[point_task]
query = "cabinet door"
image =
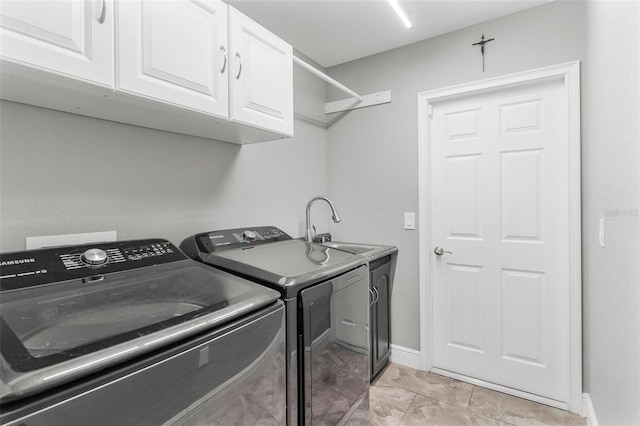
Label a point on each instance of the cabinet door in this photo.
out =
(262, 76)
(380, 278)
(73, 38)
(373, 328)
(174, 52)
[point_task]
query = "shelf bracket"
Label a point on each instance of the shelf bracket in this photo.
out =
(372, 99)
(356, 101)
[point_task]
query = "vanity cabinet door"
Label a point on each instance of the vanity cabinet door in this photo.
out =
(261, 77)
(174, 52)
(69, 38)
(380, 313)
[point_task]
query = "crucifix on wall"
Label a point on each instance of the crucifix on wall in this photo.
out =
(481, 43)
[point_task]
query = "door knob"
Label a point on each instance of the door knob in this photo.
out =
(440, 251)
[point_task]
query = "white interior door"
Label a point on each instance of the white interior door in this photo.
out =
(499, 172)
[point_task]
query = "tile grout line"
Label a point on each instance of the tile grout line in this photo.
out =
(482, 414)
(408, 407)
(493, 418)
(426, 396)
(471, 397)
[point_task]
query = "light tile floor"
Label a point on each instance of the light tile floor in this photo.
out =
(404, 396)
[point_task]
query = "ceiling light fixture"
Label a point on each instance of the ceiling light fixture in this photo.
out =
(400, 13)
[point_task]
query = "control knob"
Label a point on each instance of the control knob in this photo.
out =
(249, 235)
(94, 257)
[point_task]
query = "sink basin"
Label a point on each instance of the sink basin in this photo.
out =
(352, 247)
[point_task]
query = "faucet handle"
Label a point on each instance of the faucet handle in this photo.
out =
(322, 238)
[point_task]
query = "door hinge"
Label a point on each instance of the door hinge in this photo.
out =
(430, 110)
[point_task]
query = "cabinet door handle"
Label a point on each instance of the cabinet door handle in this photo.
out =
(224, 64)
(375, 289)
(240, 65)
(103, 14)
(371, 298)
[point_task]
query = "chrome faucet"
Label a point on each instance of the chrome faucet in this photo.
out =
(335, 217)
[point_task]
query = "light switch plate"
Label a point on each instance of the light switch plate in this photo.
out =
(410, 220)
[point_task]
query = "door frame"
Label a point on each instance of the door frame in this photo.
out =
(569, 73)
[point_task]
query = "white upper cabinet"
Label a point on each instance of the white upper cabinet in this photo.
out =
(196, 67)
(261, 76)
(174, 52)
(72, 38)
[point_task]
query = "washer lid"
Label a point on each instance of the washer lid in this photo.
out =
(57, 332)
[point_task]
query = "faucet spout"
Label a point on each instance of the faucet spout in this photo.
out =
(334, 213)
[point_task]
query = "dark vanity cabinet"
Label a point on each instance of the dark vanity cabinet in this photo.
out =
(381, 278)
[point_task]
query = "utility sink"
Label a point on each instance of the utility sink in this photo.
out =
(369, 251)
(351, 247)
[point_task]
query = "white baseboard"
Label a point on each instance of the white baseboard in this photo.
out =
(588, 410)
(405, 356)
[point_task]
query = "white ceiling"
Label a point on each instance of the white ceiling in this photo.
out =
(332, 32)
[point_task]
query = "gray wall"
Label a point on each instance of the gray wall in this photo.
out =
(373, 173)
(611, 190)
(62, 173)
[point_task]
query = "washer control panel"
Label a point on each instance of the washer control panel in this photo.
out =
(41, 266)
(149, 251)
